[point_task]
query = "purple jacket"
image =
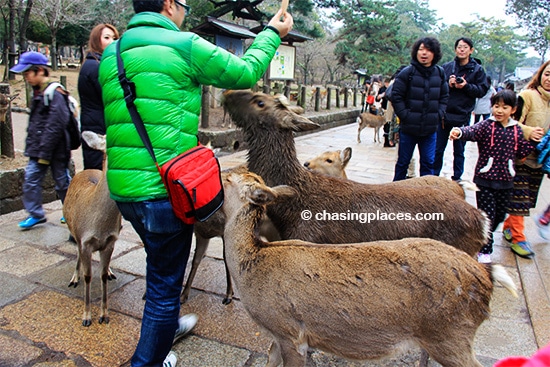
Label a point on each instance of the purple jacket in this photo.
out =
(498, 148)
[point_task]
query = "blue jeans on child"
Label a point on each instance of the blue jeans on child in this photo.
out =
(32, 187)
(167, 242)
(426, 150)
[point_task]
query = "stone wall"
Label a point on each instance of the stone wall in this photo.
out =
(11, 183)
(232, 140)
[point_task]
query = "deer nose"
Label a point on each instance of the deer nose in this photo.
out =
(306, 164)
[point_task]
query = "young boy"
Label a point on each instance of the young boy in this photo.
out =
(500, 142)
(46, 143)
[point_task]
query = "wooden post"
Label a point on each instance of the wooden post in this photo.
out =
(6, 128)
(329, 91)
(346, 99)
(303, 96)
(63, 81)
(317, 98)
(205, 107)
(337, 97)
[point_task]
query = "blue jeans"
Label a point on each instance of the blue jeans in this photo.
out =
(32, 187)
(426, 149)
(458, 153)
(167, 243)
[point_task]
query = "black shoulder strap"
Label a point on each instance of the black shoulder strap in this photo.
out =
(129, 89)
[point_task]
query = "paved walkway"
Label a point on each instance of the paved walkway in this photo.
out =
(40, 317)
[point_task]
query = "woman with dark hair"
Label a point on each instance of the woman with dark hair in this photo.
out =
(535, 120)
(89, 90)
(419, 98)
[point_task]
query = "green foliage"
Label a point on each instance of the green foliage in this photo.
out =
(534, 17)
(39, 32)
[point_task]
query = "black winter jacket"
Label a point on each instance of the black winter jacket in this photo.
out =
(47, 133)
(89, 90)
(419, 98)
(462, 101)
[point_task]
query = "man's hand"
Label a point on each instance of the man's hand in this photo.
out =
(284, 26)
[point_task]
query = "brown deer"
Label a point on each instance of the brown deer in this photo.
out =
(332, 163)
(357, 301)
(5, 101)
(374, 119)
(95, 222)
(268, 128)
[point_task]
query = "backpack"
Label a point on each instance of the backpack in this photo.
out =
(73, 125)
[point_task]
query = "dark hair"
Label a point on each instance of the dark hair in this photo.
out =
(148, 5)
(506, 96)
(94, 43)
(431, 44)
(36, 68)
(537, 78)
(465, 40)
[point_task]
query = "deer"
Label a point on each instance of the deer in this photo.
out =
(332, 162)
(374, 118)
(268, 129)
(5, 101)
(214, 226)
(95, 222)
(357, 301)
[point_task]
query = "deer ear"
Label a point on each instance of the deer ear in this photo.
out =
(261, 196)
(296, 122)
(345, 155)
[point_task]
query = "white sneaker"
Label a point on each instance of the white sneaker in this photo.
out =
(484, 258)
(170, 360)
(186, 324)
(544, 231)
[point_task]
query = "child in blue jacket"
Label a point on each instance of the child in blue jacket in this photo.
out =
(46, 144)
(500, 142)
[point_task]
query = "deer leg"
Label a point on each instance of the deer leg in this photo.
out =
(229, 290)
(292, 357)
(359, 134)
(86, 262)
(105, 260)
(201, 245)
(456, 352)
(76, 274)
(424, 358)
(274, 356)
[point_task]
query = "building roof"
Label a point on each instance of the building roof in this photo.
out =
(214, 26)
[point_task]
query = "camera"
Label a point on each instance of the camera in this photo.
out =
(459, 80)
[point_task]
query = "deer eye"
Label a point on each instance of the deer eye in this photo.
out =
(329, 160)
(261, 103)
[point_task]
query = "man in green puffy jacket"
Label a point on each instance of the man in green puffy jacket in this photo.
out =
(168, 68)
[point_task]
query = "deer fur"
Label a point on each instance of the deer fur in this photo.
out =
(214, 226)
(373, 119)
(5, 101)
(357, 301)
(332, 163)
(95, 222)
(268, 129)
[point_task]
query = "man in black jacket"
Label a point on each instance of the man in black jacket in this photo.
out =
(467, 81)
(419, 98)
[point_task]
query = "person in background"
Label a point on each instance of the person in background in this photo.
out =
(419, 98)
(168, 69)
(535, 120)
(482, 110)
(46, 144)
(467, 81)
(500, 142)
(89, 90)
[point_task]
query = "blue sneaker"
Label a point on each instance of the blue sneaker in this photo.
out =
(544, 230)
(507, 234)
(31, 222)
(522, 249)
(62, 220)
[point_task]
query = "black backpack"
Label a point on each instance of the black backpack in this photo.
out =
(73, 125)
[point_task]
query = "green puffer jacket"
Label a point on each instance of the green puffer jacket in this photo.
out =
(168, 67)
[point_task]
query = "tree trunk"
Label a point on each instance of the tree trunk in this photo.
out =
(6, 128)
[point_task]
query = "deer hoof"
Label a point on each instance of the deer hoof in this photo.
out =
(86, 322)
(73, 284)
(104, 319)
(111, 276)
(227, 300)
